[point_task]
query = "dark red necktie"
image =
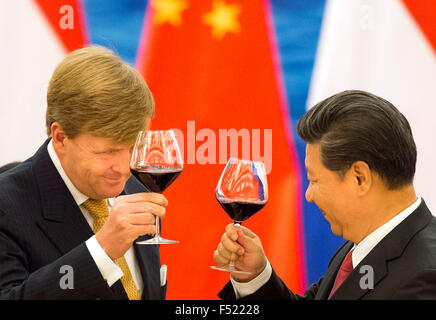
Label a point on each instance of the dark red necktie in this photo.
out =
(344, 271)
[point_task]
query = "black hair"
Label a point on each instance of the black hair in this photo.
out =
(355, 126)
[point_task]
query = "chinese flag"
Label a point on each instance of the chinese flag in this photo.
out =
(211, 66)
(67, 21)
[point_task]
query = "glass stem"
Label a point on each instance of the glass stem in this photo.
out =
(232, 258)
(157, 224)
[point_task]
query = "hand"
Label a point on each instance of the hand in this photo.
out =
(245, 248)
(131, 216)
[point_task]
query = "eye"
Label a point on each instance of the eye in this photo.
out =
(107, 152)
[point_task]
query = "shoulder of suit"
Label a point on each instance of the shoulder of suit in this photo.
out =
(18, 183)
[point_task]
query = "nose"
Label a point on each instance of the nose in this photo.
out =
(122, 162)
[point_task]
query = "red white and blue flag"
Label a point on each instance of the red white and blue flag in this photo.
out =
(232, 77)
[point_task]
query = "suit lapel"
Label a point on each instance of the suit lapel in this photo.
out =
(62, 222)
(149, 264)
(332, 270)
(374, 264)
(389, 248)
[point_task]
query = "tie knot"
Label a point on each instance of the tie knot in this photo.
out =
(98, 208)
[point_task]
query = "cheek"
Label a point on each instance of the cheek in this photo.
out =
(94, 169)
(342, 204)
(102, 170)
(78, 166)
(329, 200)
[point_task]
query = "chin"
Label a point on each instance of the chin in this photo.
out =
(113, 190)
(335, 229)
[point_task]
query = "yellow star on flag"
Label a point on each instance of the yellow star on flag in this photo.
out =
(223, 18)
(168, 11)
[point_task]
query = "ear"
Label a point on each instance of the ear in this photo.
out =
(58, 137)
(361, 174)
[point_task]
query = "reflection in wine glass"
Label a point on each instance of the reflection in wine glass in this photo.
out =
(156, 162)
(241, 191)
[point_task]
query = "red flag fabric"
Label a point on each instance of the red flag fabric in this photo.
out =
(66, 20)
(211, 66)
(424, 14)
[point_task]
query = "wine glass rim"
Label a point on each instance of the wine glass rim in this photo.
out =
(163, 130)
(244, 160)
(230, 200)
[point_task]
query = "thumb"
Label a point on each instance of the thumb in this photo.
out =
(247, 242)
(247, 232)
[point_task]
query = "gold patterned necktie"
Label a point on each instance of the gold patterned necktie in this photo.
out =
(100, 212)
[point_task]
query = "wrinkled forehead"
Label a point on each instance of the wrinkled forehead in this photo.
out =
(96, 143)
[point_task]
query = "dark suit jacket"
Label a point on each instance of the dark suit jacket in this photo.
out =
(43, 229)
(403, 264)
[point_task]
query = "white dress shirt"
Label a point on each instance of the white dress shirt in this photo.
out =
(110, 271)
(370, 241)
(361, 250)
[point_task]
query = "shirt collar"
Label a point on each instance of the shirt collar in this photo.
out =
(370, 241)
(79, 197)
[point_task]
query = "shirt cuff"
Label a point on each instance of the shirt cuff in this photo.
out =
(110, 271)
(243, 289)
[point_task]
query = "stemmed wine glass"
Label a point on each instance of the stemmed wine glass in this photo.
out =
(156, 162)
(241, 191)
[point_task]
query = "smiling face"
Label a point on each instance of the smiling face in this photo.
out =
(336, 197)
(96, 166)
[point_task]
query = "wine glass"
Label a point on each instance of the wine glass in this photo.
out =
(241, 191)
(156, 162)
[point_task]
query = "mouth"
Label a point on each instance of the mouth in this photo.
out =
(114, 177)
(113, 180)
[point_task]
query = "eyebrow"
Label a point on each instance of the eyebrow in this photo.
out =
(111, 149)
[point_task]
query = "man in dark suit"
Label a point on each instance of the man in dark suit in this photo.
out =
(57, 238)
(360, 161)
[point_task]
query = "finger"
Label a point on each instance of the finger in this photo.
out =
(232, 231)
(140, 230)
(141, 219)
(230, 244)
(224, 252)
(247, 232)
(141, 207)
(156, 198)
(150, 207)
(219, 259)
(248, 243)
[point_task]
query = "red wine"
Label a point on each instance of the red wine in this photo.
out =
(240, 211)
(156, 180)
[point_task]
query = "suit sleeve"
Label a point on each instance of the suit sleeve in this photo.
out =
(274, 289)
(72, 276)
